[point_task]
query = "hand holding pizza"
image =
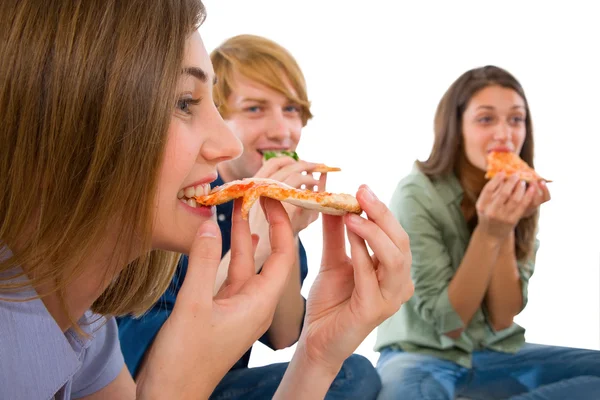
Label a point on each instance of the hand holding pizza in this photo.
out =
(502, 203)
(296, 174)
(205, 335)
(352, 295)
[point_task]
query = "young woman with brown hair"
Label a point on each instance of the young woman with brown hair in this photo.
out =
(473, 245)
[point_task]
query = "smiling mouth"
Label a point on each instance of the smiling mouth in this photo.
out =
(187, 195)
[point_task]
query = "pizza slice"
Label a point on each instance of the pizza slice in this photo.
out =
(510, 163)
(251, 189)
(321, 168)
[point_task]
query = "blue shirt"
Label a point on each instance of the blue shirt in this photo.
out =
(39, 361)
(137, 334)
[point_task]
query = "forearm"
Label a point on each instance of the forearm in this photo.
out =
(504, 298)
(468, 286)
(285, 328)
(304, 379)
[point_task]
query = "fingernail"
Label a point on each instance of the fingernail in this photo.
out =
(207, 229)
(354, 219)
(369, 195)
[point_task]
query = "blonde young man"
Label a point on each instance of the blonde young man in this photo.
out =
(261, 95)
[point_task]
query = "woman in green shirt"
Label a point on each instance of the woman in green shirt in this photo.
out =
(473, 245)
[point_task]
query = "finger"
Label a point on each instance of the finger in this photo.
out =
(503, 193)
(276, 269)
(518, 193)
(334, 240)
(365, 277)
(524, 204)
(490, 188)
(545, 191)
(381, 215)
(295, 168)
(241, 266)
(203, 261)
(322, 182)
(394, 264)
(298, 180)
(273, 165)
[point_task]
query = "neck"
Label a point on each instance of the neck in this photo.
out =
(97, 271)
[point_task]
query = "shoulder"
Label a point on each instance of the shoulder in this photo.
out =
(101, 358)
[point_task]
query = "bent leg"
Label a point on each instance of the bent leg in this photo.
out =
(414, 376)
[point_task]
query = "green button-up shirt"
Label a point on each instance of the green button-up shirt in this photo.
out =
(429, 211)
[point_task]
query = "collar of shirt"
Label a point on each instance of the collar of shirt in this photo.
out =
(36, 358)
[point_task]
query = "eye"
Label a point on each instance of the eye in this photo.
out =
(184, 104)
(252, 109)
(486, 119)
(517, 119)
(292, 108)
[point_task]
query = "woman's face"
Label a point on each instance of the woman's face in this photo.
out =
(197, 141)
(493, 120)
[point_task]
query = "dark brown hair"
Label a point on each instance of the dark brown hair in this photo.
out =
(87, 90)
(447, 154)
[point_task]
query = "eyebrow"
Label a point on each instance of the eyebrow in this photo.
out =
(198, 73)
(255, 100)
(492, 108)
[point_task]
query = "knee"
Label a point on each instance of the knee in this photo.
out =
(357, 378)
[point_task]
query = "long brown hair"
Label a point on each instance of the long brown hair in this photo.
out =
(447, 155)
(87, 90)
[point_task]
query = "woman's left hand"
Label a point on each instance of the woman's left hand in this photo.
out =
(351, 296)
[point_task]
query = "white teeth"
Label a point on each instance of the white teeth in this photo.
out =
(180, 194)
(202, 190)
(189, 192)
(191, 203)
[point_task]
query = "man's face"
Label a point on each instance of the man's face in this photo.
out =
(263, 119)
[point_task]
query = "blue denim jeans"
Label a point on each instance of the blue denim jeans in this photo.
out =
(357, 379)
(535, 372)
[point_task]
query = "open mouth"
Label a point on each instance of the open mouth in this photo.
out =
(187, 195)
(276, 150)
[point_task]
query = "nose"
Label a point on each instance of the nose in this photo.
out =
(279, 127)
(503, 132)
(222, 144)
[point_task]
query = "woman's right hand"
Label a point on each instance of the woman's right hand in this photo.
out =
(502, 203)
(206, 335)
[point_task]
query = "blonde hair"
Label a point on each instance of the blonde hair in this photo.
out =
(87, 91)
(262, 61)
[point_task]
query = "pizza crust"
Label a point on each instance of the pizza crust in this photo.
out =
(251, 189)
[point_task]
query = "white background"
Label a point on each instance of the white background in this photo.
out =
(376, 71)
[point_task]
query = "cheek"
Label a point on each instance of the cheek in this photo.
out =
(519, 138)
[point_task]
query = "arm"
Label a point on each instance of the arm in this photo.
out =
(468, 286)
(431, 270)
(285, 328)
(303, 379)
(507, 292)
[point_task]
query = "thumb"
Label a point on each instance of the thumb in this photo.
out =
(203, 262)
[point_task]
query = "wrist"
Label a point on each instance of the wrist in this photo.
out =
(487, 239)
(306, 378)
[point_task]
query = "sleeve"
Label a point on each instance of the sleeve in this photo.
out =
(526, 268)
(102, 362)
(431, 269)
